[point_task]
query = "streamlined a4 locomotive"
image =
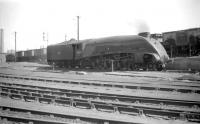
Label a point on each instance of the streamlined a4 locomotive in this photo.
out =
(129, 52)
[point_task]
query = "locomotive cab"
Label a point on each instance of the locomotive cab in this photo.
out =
(77, 50)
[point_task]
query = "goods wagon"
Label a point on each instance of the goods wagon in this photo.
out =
(20, 56)
(10, 58)
(122, 52)
(34, 55)
(39, 55)
(29, 55)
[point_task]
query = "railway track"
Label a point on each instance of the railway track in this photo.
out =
(16, 115)
(151, 107)
(149, 87)
(13, 115)
(36, 113)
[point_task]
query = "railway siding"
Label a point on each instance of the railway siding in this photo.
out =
(90, 99)
(102, 102)
(193, 95)
(158, 100)
(74, 112)
(179, 86)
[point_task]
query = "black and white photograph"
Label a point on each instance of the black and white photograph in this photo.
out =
(99, 61)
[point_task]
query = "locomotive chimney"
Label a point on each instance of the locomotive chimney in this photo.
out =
(144, 34)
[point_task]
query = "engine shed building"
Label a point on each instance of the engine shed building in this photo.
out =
(182, 43)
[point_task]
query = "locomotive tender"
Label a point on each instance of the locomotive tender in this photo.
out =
(124, 52)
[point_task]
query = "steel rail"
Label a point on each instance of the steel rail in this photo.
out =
(104, 84)
(101, 102)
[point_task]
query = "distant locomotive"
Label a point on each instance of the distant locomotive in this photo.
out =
(123, 52)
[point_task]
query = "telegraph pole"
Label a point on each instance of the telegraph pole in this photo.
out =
(15, 46)
(65, 37)
(78, 28)
(45, 38)
(2, 40)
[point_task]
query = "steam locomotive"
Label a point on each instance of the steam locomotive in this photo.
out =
(130, 52)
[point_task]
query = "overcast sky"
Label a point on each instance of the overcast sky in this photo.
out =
(98, 18)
